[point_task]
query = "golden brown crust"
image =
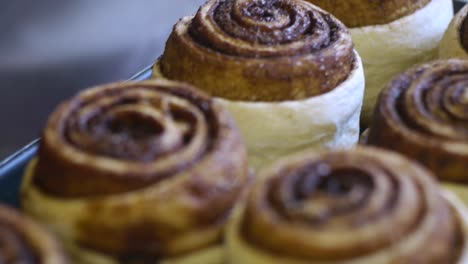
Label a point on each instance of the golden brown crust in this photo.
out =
(365, 205)
(121, 137)
(423, 114)
(259, 50)
(22, 241)
(147, 165)
(360, 13)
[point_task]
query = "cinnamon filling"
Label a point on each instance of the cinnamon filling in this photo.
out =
(353, 198)
(433, 96)
(320, 195)
(139, 126)
(256, 50)
(268, 23)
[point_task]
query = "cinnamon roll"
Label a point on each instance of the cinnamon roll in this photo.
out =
(23, 241)
(391, 36)
(138, 172)
(361, 206)
(286, 70)
(454, 44)
(423, 114)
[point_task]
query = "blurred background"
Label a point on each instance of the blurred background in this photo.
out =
(49, 50)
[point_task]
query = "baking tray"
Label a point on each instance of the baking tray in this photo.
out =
(12, 168)
(458, 4)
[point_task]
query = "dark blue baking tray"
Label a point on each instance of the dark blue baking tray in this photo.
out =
(12, 168)
(458, 4)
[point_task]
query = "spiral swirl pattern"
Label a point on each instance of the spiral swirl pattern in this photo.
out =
(140, 125)
(423, 113)
(264, 28)
(365, 205)
(23, 242)
(262, 44)
(137, 171)
(128, 136)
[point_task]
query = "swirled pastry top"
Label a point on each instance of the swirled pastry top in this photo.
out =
(423, 113)
(429, 103)
(360, 13)
(361, 206)
(21, 241)
(137, 172)
(119, 137)
(258, 50)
